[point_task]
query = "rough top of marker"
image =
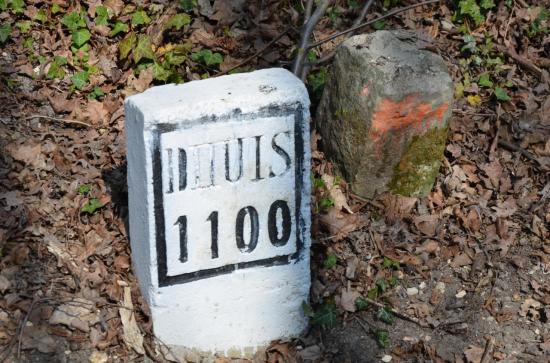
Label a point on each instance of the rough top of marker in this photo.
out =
(247, 92)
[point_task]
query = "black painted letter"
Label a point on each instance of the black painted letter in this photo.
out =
(272, 223)
(182, 222)
(213, 218)
(254, 229)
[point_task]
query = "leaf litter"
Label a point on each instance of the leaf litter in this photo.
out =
(63, 256)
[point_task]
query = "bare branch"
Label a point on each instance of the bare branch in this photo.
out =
(306, 34)
(364, 12)
(352, 29)
(309, 8)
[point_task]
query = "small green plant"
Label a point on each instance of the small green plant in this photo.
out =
(382, 337)
(540, 24)
(361, 303)
(84, 188)
(330, 261)
(5, 32)
(140, 17)
(474, 10)
(316, 82)
(206, 57)
(390, 263)
(178, 21)
(385, 315)
(188, 5)
(56, 68)
(326, 316)
(92, 206)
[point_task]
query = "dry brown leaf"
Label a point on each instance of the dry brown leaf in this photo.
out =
(339, 224)
(60, 103)
(426, 224)
(506, 208)
(27, 154)
(429, 246)
(461, 260)
(131, 333)
(347, 300)
(336, 194)
(473, 354)
(397, 206)
(143, 81)
(78, 313)
(530, 308)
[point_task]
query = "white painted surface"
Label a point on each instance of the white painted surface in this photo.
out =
(238, 295)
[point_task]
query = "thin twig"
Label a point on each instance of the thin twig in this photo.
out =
(513, 147)
(62, 120)
(258, 53)
(364, 12)
(526, 63)
(391, 13)
(488, 352)
(306, 34)
(309, 8)
(398, 314)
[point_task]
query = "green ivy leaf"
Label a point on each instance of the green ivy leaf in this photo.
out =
(174, 59)
(361, 303)
(5, 32)
(24, 26)
(485, 80)
(308, 311)
(188, 5)
(73, 21)
(84, 188)
(101, 15)
(3, 5)
(373, 293)
(80, 79)
(379, 25)
(390, 263)
(119, 27)
(56, 9)
(487, 4)
(207, 57)
(143, 49)
(326, 316)
(17, 6)
(126, 45)
(381, 285)
(501, 94)
(326, 203)
(41, 16)
(382, 338)
(96, 93)
(90, 207)
(385, 315)
(330, 261)
(470, 7)
(28, 43)
(178, 21)
(56, 70)
(160, 73)
(140, 17)
(80, 37)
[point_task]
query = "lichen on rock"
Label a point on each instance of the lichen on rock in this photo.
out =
(418, 168)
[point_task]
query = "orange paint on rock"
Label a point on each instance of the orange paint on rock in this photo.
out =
(410, 112)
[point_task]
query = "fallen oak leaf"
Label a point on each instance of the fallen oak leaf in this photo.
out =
(336, 194)
(131, 334)
(339, 224)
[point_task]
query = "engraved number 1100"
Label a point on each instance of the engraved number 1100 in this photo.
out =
(276, 237)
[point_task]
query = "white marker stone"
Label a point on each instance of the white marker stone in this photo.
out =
(219, 190)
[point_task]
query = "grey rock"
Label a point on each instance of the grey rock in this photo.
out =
(384, 111)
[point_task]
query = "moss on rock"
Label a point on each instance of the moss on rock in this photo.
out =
(415, 174)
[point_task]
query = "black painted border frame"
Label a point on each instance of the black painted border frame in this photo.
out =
(164, 280)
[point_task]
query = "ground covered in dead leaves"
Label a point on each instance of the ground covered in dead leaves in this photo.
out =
(459, 276)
